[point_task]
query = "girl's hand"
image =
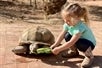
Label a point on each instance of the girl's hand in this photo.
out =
(52, 46)
(55, 51)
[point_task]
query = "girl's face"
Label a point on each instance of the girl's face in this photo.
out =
(70, 18)
(67, 18)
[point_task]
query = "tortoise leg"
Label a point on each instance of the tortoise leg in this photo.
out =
(33, 47)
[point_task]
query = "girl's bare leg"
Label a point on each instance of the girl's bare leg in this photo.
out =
(88, 58)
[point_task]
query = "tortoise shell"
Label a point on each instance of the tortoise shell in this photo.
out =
(39, 34)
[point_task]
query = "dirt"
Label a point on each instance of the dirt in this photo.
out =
(11, 28)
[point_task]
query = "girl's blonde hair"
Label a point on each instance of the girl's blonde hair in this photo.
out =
(76, 10)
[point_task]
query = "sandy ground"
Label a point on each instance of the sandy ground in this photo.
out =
(11, 30)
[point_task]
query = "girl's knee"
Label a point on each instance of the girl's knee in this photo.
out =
(83, 45)
(88, 53)
(82, 48)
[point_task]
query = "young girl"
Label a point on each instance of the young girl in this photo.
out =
(76, 32)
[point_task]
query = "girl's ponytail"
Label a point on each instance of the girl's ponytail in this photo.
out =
(85, 15)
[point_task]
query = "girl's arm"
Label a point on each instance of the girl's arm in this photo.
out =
(66, 45)
(59, 39)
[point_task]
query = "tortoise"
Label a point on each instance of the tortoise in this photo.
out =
(34, 38)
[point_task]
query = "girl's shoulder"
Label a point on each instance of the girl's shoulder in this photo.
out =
(65, 25)
(82, 24)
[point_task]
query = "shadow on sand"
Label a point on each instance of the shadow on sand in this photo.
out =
(60, 61)
(97, 12)
(97, 62)
(54, 60)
